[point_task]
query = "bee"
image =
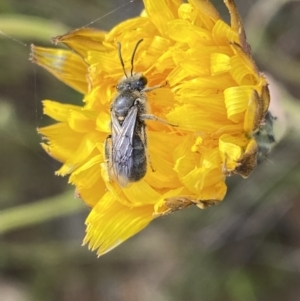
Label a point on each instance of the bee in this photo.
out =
(126, 146)
(265, 137)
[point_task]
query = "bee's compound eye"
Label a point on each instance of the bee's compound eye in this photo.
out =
(142, 81)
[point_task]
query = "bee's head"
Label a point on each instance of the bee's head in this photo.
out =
(136, 82)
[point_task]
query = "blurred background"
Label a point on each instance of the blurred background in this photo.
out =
(246, 248)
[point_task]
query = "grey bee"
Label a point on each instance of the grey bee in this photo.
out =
(126, 147)
(265, 137)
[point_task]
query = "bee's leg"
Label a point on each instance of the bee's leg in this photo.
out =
(144, 139)
(107, 148)
(153, 117)
(108, 156)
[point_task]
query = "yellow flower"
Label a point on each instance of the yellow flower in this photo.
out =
(214, 93)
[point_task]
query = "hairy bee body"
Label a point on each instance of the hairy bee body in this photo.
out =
(126, 147)
(127, 156)
(265, 137)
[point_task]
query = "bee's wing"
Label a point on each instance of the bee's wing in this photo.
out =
(122, 146)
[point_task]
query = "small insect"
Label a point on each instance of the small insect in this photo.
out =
(265, 137)
(126, 147)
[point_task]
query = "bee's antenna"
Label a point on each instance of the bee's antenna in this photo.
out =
(133, 54)
(121, 59)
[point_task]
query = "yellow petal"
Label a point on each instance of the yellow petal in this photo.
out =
(206, 85)
(89, 194)
(194, 118)
(99, 98)
(184, 32)
(161, 12)
(230, 150)
(87, 145)
(82, 121)
(241, 72)
(160, 150)
(105, 61)
(156, 50)
(222, 33)
(110, 223)
(87, 174)
(83, 40)
(59, 111)
(206, 173)
(103, 122)
(186, 159)
(210, 195)
(208, 14)
(188, 12)
(62, 141)
(63, 64)
(220, 63)
(141, 193)
(236, 100)
(131, 30)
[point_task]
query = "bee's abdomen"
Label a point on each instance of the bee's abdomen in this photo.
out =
(139, 159)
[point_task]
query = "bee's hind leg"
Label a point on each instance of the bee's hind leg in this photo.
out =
(108, 155)
(107, 148)
(155, 118)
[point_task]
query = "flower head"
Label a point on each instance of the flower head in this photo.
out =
(214, 94)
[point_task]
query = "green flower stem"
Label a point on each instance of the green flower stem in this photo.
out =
(28, 27)
(39, 212)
